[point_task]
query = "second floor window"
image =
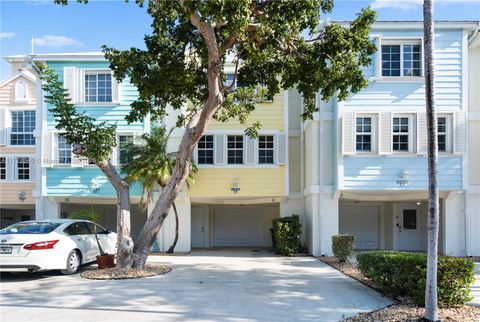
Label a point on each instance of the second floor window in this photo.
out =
(235, 149)
(363, 138)
(205, 150)
(442, 134)
(401, 134)
(401, 60)
(123, 142)
(265, 149)
(23, 169)
(23, 126)
(98, 87)
(64, 150)
(3, 168)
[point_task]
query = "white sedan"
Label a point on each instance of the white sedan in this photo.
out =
(63, 244)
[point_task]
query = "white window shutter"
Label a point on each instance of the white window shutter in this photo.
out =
(219, 149)
(33, 167)
(69, 82)
(459, 146)
(11, 166)
(3, 127)
(282, 156)
(378, 57)
(48, 149)
(348, 133)
(115, 90)
(422, 137)
(78, 161)
(385, 131)
(80, 86)
(251, 143)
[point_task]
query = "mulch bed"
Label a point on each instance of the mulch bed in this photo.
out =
(125, 273)
(404, 309)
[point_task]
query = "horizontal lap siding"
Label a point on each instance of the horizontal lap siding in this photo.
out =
(76, 182)
(110, 113)
(379, 173)
(448, 81)
(253, 182)
(9, 193)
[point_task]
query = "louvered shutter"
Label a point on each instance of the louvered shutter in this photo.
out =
(219, 149)
(32, 167)
(3, 127)
(115, 90)
(251, 143)
(422, 137)
(11, 165)
(459, 146)
(385, 146)
(80, 85)
(348, 131)
(378, 57)
(69, 82)
(48, 149)
(282, 156)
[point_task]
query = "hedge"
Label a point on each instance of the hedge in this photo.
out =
(342, 246)
(286, 234)
(404, 274)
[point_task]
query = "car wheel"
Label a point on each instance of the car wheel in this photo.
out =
(73, 263)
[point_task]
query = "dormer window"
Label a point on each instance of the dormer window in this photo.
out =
(21, 91)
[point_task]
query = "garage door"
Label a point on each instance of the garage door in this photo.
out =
(237, 227)
(363, 223)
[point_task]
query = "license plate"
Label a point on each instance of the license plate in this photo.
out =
(5, 250)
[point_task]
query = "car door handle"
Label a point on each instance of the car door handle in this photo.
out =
(79, 239)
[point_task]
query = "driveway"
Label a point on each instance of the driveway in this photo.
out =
(214, 285)
(475, 288)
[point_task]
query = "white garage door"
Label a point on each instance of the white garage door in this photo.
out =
(363, 223)
(238, 227)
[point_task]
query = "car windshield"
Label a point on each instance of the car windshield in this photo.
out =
(30, 228)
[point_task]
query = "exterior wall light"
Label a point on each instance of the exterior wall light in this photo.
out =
(403, 181)
(94, 186)
(235, 187)
(22, 196)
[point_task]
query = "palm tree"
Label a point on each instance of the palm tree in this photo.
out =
(431, 306)
(150, 163)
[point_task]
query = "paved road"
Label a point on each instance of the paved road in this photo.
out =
(234, 285)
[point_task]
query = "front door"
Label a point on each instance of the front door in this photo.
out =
(409, 228)
(198, 227)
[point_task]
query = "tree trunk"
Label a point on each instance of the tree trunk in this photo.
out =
(172, 248)
(431, 304)
(124, 241)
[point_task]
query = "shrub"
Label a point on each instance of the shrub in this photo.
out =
(342, 246)
(286, 233)
(404, 274)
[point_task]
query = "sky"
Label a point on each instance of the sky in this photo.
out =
(78, 27)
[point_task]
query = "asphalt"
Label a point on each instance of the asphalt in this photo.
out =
(214, 285)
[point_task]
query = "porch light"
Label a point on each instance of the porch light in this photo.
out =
(403, 178)
(235, 187)
(94, 186)
(22, 196)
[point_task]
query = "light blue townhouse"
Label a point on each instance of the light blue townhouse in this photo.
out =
(366, 157)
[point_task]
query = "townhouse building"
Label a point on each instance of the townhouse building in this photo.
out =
(359, 166)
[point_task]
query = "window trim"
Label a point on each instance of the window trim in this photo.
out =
(373, 133)
(4, 167)
(213, 149)
(10, 129)
(118, 149)
(16, 173)
(57, 152)
(411, 132)
(91, 71)
(236, 149)
(274, 149)
(401, 41)
(448, 133)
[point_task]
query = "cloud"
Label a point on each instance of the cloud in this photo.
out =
(7, 35)
(410, 4)
(54, 41)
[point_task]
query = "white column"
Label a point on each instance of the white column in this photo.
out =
(51, 208)
(454, 224)
(328, 214)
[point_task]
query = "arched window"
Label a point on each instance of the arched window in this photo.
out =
(21, 90)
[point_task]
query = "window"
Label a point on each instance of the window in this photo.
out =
(98, 87)
(23, 169)
(442, 134)
(23, 125)
(363, 138)
(235, 149)
(401, 60)
(78, 228)
(96, 228)
(64, 150)
(401, 134)
(229, 80)
(265, 149)
(205, 150)
(21, 90)
(123, 142)
(3, 168)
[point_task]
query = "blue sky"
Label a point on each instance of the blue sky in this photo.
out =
(115, 23)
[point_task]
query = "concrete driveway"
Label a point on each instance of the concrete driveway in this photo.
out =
(222, 285)
(475, 288)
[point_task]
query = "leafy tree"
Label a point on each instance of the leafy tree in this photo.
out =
(431, 296)
(190, 45)
(150, 163)
(93, 141)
